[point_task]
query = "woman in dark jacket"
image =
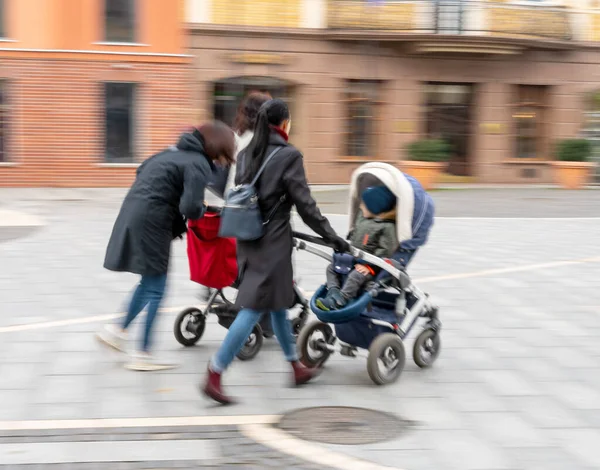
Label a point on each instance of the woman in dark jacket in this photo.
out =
(266, 264)
(169, 188)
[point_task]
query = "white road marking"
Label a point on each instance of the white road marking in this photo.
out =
(9, 218)
(74, 321)
(425, 280)
(285, 443)
(137, 422)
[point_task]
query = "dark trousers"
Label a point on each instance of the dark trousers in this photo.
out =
(355, 281)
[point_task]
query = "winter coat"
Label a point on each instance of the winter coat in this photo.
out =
(266, 272)
(168, 188)
(376, 236)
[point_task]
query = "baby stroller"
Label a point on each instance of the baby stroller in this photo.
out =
(384, 314)
(213, 264)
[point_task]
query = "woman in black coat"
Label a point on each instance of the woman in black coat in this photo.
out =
(266, 273)
(168, 189)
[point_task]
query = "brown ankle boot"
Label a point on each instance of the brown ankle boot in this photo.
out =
(212, 388)
(303, 374)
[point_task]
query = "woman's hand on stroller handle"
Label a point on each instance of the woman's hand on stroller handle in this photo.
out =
(339, 244)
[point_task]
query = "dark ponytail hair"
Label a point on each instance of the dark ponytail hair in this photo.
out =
(272, 113)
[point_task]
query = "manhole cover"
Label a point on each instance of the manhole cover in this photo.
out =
(343, 425)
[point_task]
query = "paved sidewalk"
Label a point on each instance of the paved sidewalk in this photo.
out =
(517, 385)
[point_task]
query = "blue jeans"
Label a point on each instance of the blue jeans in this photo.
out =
(150, 292)
(240, 330)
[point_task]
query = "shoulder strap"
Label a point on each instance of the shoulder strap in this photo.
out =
(262, 167)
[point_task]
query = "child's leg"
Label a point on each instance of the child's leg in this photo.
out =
(333, 278)
(354, 283)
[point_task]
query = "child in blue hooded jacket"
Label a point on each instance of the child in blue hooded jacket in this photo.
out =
(374, 232)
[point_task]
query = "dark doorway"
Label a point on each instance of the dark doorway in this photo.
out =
(449, 113)
(229, 93)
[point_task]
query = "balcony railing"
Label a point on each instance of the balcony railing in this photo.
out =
(452, 17)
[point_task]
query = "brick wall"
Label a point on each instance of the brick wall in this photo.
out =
(55, 118)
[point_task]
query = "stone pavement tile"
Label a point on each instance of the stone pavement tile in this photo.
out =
(432, 413)
(26, 352)
(101, 452)
(437, 375)
(509, 383)
(582, 443)
(510, 347)
(592, 418)
(472, 398)
(465, 450)
(507, 430)
(18, 376)
(71, 363)
(570, 357)
(576, 395)
(63, 389)
(547, 412)
(546, 458)
(462, 359)
(59, 411)
(540, 369)
(15, 404)
(406, 459)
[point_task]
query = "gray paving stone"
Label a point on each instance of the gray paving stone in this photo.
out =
(465, 450)
(577, 395)
(582, 443)
(509, 383)
(508, 430)
(125, 451)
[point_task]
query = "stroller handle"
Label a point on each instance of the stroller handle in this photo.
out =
(311, 239)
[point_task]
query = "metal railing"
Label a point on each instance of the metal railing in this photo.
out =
(452, 17)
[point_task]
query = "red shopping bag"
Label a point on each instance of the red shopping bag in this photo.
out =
(212, 259)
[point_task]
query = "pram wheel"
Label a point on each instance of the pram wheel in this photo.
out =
(312, 343)
(386, 359)
(252, 345)
(189, 326)
(297, 324)
(427, 348)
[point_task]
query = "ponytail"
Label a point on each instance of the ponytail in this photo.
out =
(257, 148)
(271, 113)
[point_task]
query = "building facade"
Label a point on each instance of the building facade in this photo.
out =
(501, 80)
(89, 88)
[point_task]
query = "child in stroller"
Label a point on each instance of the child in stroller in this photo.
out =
(380, 318)
(374, 232)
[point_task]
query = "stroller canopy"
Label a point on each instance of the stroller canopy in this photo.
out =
(378, 174)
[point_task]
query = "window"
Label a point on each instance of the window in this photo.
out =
(119, 20)
(118, 122)
(449, 16)
(449, 110)
(591, 128)
(361, 118)
(229, 93)
(3, 126)
(2, 31)
(529, 120)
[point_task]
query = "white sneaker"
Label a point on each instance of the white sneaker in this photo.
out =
(147, 363)
(113, 336)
